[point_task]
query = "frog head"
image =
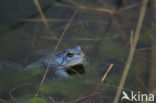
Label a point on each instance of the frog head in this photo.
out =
(71, 57)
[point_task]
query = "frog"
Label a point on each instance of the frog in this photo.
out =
(60, 63)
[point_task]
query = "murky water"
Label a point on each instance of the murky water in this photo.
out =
(103, 36)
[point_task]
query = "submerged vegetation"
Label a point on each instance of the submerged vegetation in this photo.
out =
(101, 27)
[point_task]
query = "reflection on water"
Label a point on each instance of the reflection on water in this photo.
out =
(76, 69)
(101, 28)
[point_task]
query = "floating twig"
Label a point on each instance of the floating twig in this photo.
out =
(132, 50)
(44, 19)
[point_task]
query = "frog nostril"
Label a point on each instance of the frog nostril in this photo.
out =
(79, 53)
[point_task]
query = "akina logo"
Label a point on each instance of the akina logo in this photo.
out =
(137, 96)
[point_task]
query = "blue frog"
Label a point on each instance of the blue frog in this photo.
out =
(60, 62)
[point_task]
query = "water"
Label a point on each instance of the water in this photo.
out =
(104, 39)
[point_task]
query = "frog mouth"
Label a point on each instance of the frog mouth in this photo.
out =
(75, 61)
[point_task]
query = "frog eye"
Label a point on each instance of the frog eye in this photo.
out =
(70, 54)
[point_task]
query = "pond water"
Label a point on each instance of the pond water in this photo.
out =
(103, 35)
